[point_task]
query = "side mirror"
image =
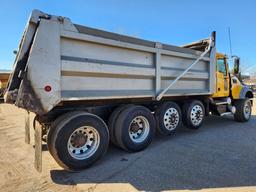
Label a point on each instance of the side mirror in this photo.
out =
(236, 65)
(15, 52)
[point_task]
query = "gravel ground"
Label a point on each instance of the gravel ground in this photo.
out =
(218, 157)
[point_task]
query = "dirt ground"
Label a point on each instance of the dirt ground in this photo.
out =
(218, 157)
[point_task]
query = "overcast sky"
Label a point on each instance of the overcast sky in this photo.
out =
(175, 22)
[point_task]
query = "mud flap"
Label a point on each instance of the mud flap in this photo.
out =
(27, 128)
(38, 148)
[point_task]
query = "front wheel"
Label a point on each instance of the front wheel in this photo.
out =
(78, 140)
(243, 110)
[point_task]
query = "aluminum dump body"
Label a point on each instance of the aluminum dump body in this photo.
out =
(60, 61)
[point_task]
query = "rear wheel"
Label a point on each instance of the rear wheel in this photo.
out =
(78, 140)
(193, 113)
(243, 110)
(112, 121)
(53, 126)
(168, 118)
(135, 128)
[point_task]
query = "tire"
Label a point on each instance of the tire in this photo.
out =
(53, 126)
(138, 136)
(193, 113)
(168, 118)
(243, 110)
(112, 121)
(78, 140)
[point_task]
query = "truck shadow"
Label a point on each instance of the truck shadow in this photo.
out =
(220, 154)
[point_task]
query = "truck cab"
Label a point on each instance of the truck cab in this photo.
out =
(231, 95)
(229, 84)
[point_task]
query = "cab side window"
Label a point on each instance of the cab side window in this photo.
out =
(222, 66)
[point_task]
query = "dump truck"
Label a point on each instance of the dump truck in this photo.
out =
(88, 87)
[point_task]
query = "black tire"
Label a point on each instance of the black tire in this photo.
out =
(168, 126)
(53, 126)
(240, 114)
(112, 121)
(187, 109)
(58, 139)
(123, 124)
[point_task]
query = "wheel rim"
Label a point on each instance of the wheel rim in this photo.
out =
(139, 129)
(196, 115)
(247, 109)
(171, 119)
(83, 142)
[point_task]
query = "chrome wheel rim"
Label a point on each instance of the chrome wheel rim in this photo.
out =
(171, 119)
(83, 142)
(247, 109)
(196, 115)
(139, 129)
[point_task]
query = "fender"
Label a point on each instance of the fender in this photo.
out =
(246, 92)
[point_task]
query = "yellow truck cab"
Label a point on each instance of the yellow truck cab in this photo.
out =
(231, 95)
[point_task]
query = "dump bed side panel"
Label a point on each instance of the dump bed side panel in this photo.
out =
(107, 71)
(104, 71)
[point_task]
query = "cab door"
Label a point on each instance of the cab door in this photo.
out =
(222, 78)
